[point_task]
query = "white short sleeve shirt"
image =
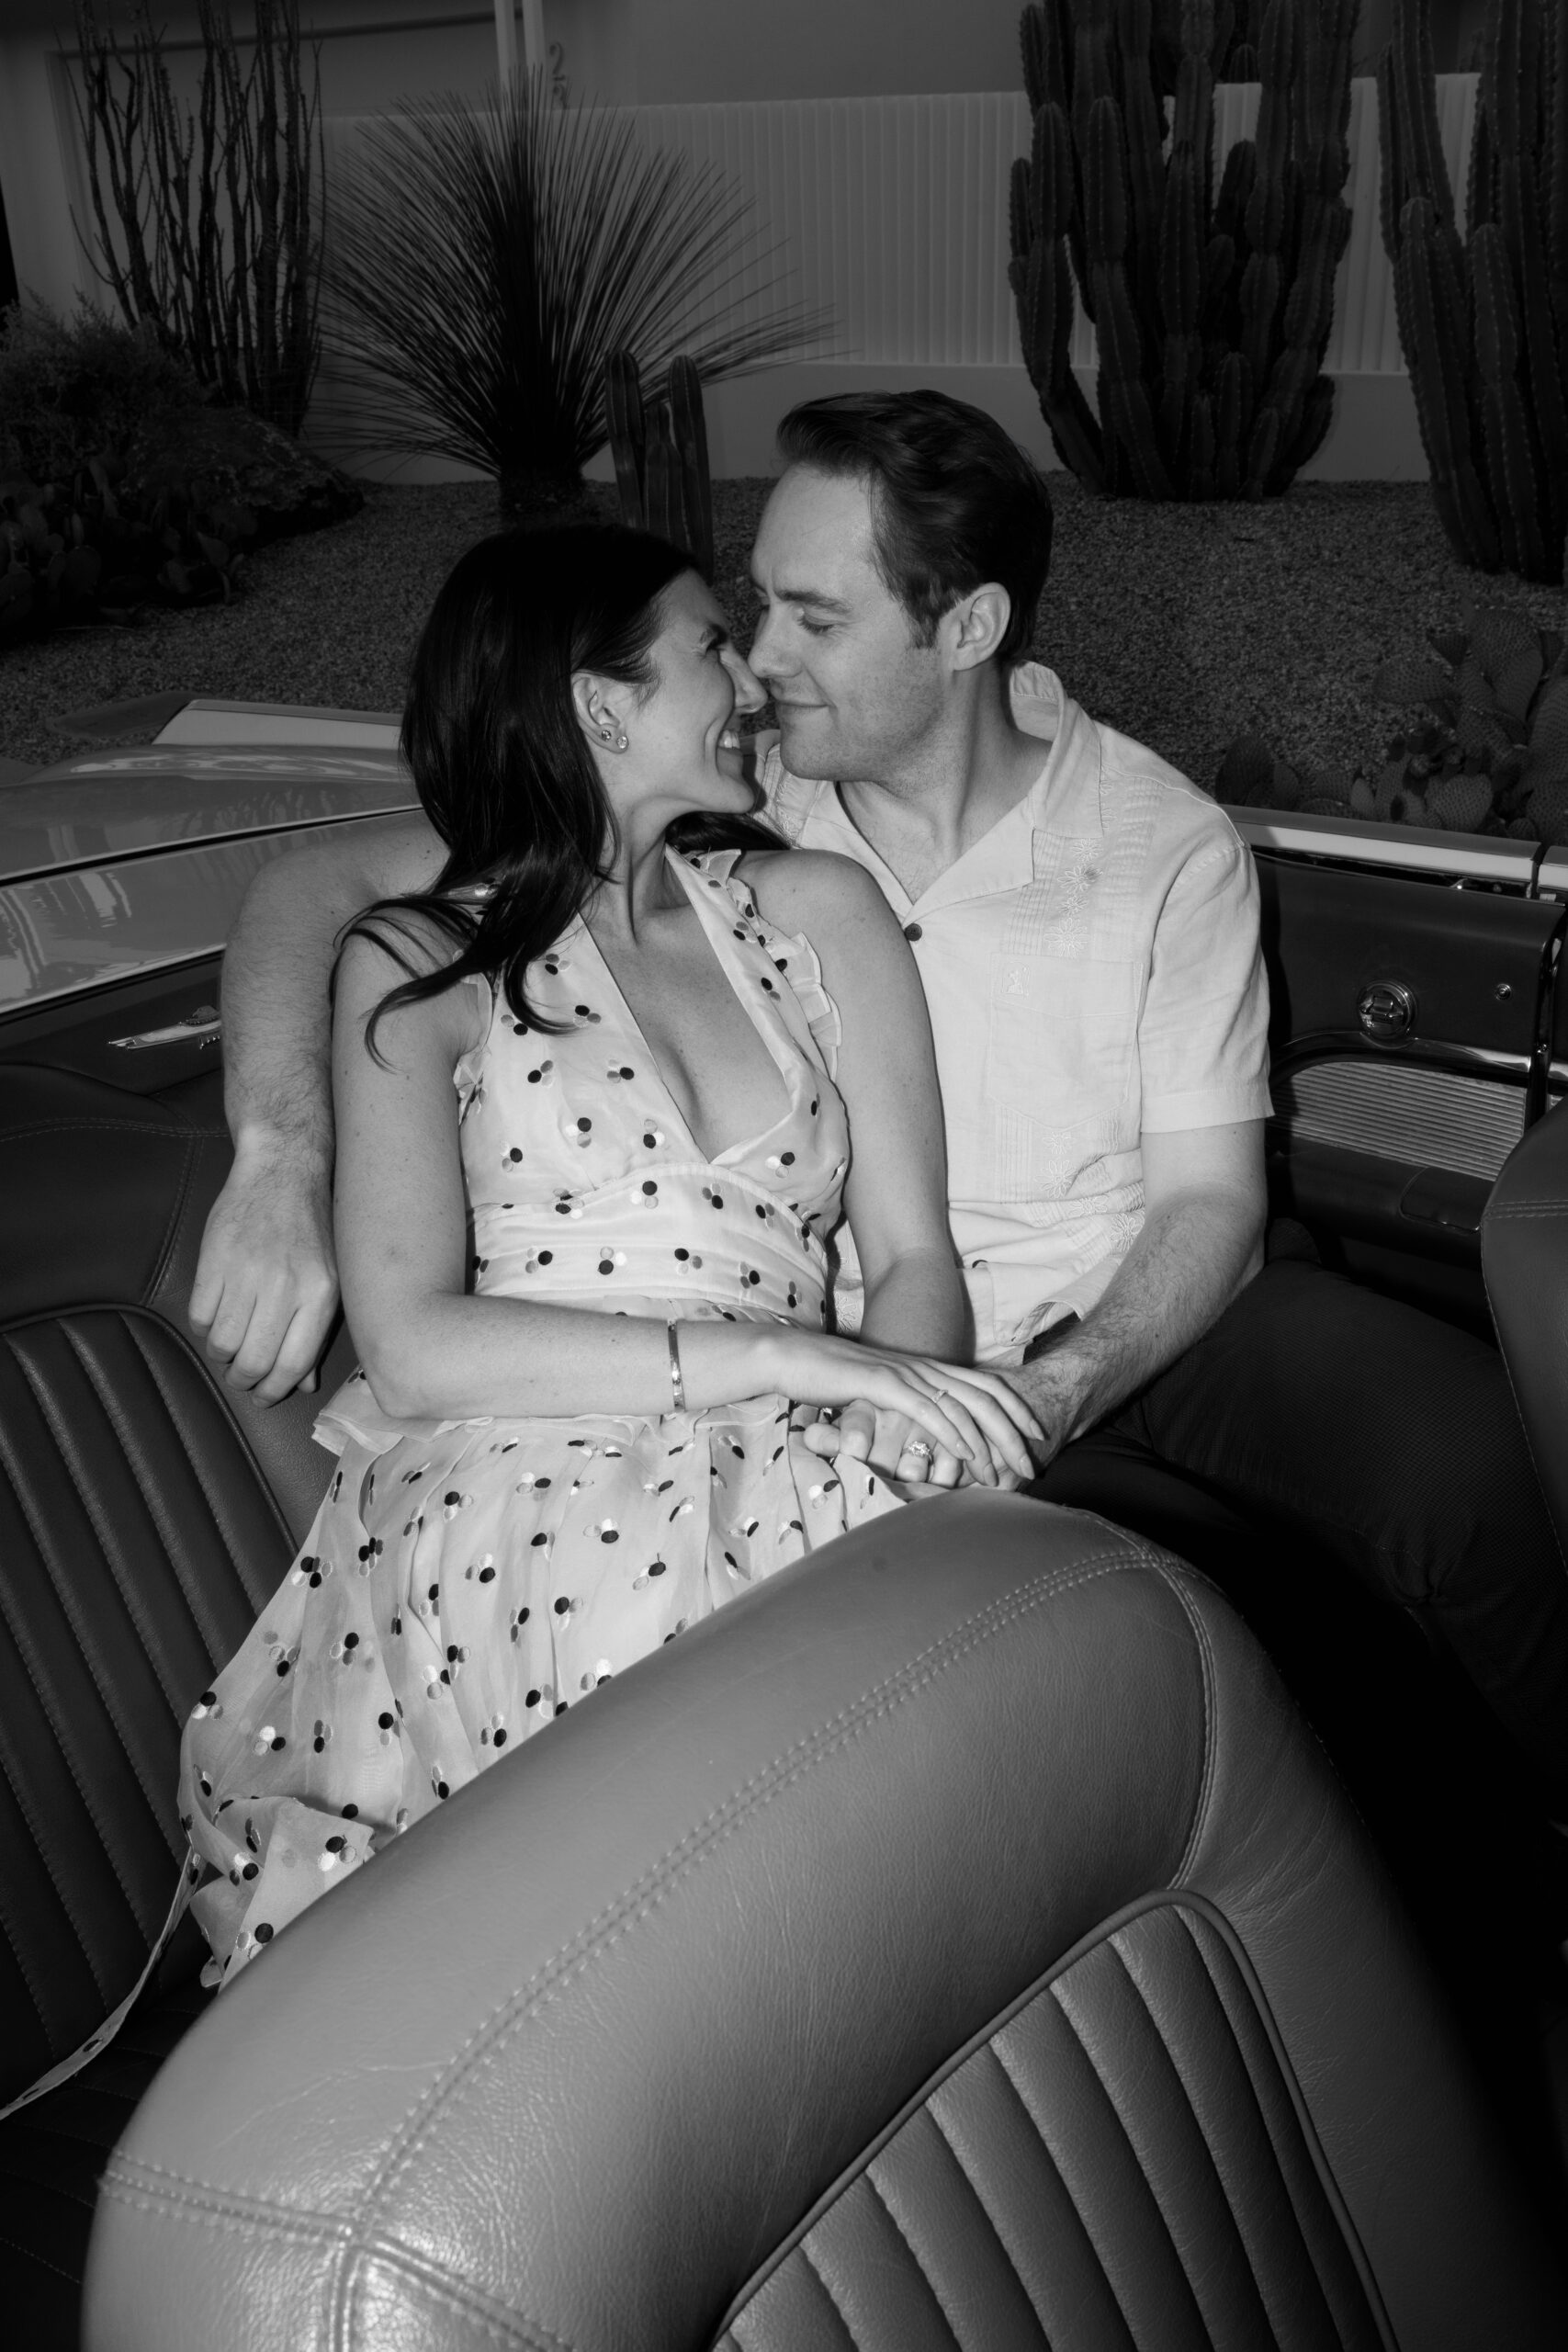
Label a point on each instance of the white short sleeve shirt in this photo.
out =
(1093, 971)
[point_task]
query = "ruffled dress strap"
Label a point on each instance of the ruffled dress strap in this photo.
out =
(790, 953)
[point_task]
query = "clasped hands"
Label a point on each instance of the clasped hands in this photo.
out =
(1000, 1431)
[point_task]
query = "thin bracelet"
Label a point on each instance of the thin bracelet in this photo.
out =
(677, 1385)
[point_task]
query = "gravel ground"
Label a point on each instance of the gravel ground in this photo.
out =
(1180, 625)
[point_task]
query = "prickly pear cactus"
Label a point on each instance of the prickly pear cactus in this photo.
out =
(1486, 752)
(1212, 311)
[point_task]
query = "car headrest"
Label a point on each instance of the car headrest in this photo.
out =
(587, 2057)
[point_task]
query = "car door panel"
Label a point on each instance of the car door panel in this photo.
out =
(1413, 1020)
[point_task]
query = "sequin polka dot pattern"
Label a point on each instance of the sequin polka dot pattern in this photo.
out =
(466, 1584)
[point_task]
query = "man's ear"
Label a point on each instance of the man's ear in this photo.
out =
(979, 623)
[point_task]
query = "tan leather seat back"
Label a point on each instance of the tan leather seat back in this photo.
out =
(958, 1939)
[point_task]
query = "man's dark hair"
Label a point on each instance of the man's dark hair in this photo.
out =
(954, 500)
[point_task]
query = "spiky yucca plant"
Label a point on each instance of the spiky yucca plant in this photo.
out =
(486, 256)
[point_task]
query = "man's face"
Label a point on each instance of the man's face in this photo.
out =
(855, 693)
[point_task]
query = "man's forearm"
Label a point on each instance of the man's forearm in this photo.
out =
(277, 1018)
(1187, 1264)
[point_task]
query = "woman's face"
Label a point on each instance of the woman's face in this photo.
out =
(681, 740)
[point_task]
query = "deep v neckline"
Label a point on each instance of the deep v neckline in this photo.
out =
(716, 911)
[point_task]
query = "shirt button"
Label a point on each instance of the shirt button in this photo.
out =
(911, 930)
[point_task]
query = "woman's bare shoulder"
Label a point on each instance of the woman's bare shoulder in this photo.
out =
(793, 885)
(392, 945)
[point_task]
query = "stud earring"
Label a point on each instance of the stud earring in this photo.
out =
(620, 742)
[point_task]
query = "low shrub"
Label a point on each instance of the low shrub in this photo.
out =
(74, 553)
(69, 389)
(1484, 752)
(121, 485)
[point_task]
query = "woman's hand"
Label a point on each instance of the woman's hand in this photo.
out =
(893, 1443)
(972, 1421)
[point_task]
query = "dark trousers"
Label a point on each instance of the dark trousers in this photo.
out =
(1321, 1427)
(1323, 1454)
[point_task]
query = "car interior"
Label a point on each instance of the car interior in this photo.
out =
(1031, 1962)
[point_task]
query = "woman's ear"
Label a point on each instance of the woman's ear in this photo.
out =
(592, 699)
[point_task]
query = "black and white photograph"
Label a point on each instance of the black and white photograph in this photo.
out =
(784, 1175)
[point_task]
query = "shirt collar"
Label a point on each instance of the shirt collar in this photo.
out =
(1065, 799)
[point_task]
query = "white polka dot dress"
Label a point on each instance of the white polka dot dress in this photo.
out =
(464, 1583)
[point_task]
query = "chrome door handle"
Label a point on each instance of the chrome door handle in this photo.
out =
(1387, 1011)
(202, 1027)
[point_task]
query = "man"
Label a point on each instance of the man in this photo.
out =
(1085, 922)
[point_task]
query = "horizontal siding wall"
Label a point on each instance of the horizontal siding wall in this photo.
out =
(895, 211)
(889, 216)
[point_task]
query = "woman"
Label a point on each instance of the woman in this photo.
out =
(594, 1098)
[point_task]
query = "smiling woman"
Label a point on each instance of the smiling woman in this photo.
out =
(595, 1082)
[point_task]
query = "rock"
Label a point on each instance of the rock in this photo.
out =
(227, 456)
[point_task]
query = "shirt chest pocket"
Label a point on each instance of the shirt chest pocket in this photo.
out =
(1063, 1045)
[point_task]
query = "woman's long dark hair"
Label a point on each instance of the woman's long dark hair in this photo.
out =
(498, 757)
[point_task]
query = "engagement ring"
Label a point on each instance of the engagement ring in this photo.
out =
(917, 1445)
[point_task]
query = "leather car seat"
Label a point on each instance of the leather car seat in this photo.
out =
(1524, 1257)
(146, 1513)
(957, 1939)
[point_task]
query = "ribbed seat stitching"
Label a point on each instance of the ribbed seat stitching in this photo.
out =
(1167, 2049)
(51, 2131)
(984, 2210)
(15, 1949)
(1172, 2049)
(1012, 2091)
(68, 1439)
(57, 2188)
(264, 1500)
(815, 2270)
(1337, 2220)
(40, 1844)
(31, 2254)
(58, 1716)
(750, 2330)
(1115, 2112)
(195, 1590)
(1002, 2059)
(933, 2289)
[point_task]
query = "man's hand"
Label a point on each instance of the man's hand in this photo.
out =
(265, 1287)
(1201, 1242)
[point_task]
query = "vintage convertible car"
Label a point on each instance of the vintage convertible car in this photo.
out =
(997, 1964)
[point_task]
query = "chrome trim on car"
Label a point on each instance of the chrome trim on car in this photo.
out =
(1410, 849)
(194, 1032)
(1486, 1061)
(65, 933)
(106, 806)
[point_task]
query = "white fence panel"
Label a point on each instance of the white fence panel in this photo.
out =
(891, 215)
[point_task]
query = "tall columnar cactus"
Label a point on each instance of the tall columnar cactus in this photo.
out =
(662, 456)
(1483, 318)
(1212, 311)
